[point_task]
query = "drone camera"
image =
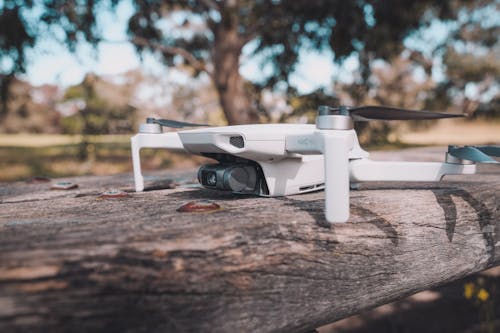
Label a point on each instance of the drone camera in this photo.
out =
(240, 178)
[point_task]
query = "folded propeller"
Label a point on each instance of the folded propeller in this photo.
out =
(173, 123)
(479, 154)
(366, 113)
(360, 113)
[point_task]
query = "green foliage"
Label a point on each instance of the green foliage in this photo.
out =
(469, 67)
(73, 124)
(15, 36)
(100, 114)
(482, 293)
(74, 92)
(308, 104)
(489, 110)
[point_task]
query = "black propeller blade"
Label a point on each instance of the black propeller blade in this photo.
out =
(173, 123)
(364, 113)
(476, 154)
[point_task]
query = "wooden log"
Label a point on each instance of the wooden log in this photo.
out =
(70, 261)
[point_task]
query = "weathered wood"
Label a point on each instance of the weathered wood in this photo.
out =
(71, 262)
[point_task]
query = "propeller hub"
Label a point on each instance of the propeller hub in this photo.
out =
(150, 128)
(455, 160)
(329, 118)
(325, 110)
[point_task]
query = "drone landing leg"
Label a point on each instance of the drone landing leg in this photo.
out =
(136, 163)
(336, 146)
(145, 140)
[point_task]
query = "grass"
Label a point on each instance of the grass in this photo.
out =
(25, 156)
(454, 131)
(48, 140)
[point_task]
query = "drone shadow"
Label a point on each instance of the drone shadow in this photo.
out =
(444, 199)
(212, 195)
(486, 223)
(315, 209)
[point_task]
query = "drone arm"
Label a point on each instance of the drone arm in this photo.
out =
(368, 170)
(170, 141)
(337, 148)
(305, 144)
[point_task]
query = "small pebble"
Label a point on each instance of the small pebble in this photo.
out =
(162, 185)
(113, 194)
(37, 180)
(63, 186)
(199, 206)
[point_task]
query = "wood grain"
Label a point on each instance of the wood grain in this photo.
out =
(71, 262)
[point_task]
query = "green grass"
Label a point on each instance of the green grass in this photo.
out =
(25, 156)
(47, 140)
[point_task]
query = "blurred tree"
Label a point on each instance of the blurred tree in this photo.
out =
(307, 104)
(23, 22)
(466, 58)
(391, 83)
(473, 78)
(30, 109)
(103, 107)
(98, 112)
(209, 35)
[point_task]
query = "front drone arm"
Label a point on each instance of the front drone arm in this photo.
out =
(364, 170)
(336, 147)
(170, 141)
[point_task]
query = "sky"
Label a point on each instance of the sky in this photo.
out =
(50, 62)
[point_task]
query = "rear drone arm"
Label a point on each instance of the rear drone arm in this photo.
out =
(364, 170)
(343, 162)
(170, 141)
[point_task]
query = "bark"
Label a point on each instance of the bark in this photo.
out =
(72, 262)
(234, 97)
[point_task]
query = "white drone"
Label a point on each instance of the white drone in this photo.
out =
(284, 159)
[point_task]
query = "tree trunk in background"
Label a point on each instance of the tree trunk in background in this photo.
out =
(233, 97)
(5, 81)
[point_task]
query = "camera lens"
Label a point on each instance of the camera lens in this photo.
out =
(211, 179)
(238, 179)
(208, 178)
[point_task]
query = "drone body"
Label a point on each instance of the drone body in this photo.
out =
(285, 159)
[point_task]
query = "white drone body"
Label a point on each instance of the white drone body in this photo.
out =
(285, 159)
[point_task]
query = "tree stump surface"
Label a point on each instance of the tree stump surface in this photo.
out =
(71, 261)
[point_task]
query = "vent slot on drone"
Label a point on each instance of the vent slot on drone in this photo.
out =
(311, 187)
(306, 188)
(237, 141)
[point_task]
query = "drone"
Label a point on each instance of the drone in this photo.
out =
(273, 160)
